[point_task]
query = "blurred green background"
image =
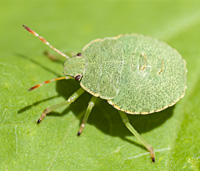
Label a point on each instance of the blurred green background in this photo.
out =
(105, 143)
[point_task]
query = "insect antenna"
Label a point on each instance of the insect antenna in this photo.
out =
(48, 81)
(44, 41)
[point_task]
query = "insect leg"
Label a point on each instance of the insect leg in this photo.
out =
(87, 114)
(71, 99)
(50, 56)
(55, 57)
(134, 132)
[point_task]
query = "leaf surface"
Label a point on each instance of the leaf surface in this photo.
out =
(105, 143)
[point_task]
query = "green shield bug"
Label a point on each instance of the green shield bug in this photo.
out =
(136, 74)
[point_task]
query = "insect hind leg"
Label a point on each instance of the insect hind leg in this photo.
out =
(137, 135)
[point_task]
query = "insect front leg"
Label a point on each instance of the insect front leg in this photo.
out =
(70, 100)
(87, 114)
(56, 58)
(134, 132)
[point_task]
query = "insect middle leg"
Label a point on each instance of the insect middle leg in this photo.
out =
(87, 114)
(134, 132)
(71, 99)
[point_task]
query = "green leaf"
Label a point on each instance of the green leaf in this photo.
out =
(105, 143)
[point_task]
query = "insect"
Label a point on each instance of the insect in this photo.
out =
(136, 74)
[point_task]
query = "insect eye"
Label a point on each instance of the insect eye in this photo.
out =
(79, 54)
(78, 77)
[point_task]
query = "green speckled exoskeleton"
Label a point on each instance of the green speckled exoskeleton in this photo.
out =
(136, 74)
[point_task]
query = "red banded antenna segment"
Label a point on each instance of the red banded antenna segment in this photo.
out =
(48, 81)
(44, 41)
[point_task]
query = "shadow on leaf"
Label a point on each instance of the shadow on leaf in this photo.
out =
(106, 118)
(35, 104)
